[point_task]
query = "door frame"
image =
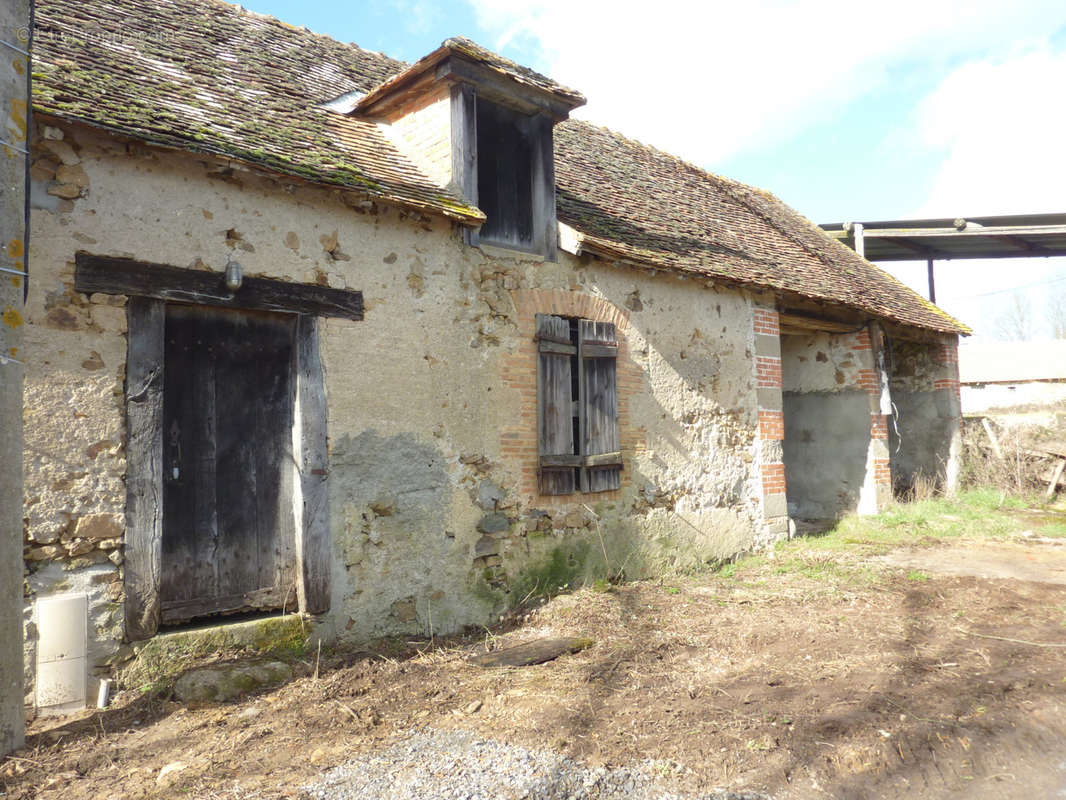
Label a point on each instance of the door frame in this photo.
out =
(148, 288)
(145, 368)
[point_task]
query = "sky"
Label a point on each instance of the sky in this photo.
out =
(847, 111)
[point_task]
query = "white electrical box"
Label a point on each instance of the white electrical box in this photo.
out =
(62, 669)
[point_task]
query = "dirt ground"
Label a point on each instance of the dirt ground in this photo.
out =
(816, 682)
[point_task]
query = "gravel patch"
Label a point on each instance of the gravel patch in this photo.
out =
(431, 764)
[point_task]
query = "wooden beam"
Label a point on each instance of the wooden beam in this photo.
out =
(313, 539)
(464, 150)
(144, 466)
(968, 233)
(538, 651)
(109, 275)
(799, 323)
(545, 222)
(503, 89)
(1054, 483)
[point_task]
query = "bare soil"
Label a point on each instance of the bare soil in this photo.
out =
(796, 683)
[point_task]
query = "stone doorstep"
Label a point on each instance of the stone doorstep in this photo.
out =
(169, 654)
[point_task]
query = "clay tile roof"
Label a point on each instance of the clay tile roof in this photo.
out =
(209, 77)
(636, 203)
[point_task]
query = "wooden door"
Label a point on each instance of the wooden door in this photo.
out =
(228, 519)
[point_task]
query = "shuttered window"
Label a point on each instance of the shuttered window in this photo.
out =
(578, 406)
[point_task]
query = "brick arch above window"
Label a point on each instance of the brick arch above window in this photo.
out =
(565, 303)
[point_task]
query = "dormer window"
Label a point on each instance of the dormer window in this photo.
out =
(504, 175)
(497, 117)
(511, 178)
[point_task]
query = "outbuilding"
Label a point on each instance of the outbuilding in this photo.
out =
(397, 346)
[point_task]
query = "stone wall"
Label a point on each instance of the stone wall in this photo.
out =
(835, 449)
(924, 431)
(434, 513)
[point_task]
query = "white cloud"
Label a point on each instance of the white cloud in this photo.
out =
(1001, 125)
(707, 81)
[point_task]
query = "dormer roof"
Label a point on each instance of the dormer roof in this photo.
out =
(459, 60)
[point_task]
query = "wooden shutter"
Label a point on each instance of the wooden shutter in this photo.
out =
(598, 356)
(555, 405)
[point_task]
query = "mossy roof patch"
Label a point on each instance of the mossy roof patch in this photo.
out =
(206, 76)
(209, 77)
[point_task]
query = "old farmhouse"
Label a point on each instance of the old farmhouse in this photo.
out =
(395, 346)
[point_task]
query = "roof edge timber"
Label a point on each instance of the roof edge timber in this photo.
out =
(601, 248)
(458, 60)
(463, 215)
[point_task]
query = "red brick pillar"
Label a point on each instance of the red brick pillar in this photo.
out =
(873, 377)
(767, 334)
(947, 356)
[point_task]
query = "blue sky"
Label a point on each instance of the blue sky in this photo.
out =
(845, 110)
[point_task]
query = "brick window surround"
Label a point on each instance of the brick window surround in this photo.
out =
(518, 442)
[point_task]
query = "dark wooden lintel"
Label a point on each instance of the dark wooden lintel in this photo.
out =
(109, 275)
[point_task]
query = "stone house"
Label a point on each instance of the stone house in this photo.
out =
(396, 346)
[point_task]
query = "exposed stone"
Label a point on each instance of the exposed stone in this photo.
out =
(494, 523)
(575, 519)
(116, 557)
(119, 656)
(489, 495)
(67, 190)
(46, 553)
(109, 544)
(217, 684)
(44, 535)
(51, 133)
(43, 169)
(486, 546)
(98, 526)
(405, 610)
(74, 175)
(63, 151)
(109, 318)
(80, 547)
(93, 362)
(62, 318)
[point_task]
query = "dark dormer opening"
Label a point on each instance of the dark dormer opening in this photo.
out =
(505, 161)
(499, 122)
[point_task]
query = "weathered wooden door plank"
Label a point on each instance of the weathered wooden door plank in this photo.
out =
(144, 466)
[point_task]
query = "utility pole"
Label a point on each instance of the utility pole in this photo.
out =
(16, 25)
